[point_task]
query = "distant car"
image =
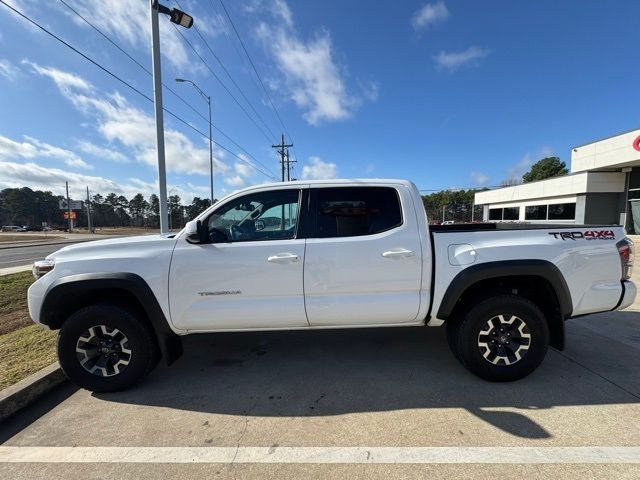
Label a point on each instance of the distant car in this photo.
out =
(46, 229)
(448, 222)
(13, 228)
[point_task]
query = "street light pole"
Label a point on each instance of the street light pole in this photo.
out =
(186, 21)
(208, 99)
(157, 96)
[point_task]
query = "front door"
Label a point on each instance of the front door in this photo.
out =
(250, 276)
(363, 261)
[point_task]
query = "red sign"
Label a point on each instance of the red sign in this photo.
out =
(636, 144)
(66, 215)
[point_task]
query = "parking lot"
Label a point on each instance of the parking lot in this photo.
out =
(349, 393)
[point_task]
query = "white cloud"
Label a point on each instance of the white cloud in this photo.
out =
(118, 121)
(282, 10)
(243, 169)
(235, 181)
(369, 169)
(8, 69)
(9, 149)
(129, 22)
(451, 61)
(430, 14)
(52, 179)
(65, 81)
(37, 177)
(102, 152)
(33, 148)
(479, 179)
(308, 69)
(67, 156)
(528, 159)
(317, 169)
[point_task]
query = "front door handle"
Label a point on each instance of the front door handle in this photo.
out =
(283, 258)
(400, 252)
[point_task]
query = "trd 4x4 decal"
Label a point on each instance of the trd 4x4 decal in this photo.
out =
(588, 235)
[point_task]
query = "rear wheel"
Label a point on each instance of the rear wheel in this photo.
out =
(106, 348)
(500, 339)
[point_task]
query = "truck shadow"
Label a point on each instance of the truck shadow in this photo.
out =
(320, 373)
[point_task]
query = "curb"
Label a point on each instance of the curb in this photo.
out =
(25, 392)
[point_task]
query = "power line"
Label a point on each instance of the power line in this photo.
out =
(244, 110)
(165, 86)
(204, 40)
(255, 70)
(124, 82)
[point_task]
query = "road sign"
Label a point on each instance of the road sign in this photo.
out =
(66, 215)
(73, 204)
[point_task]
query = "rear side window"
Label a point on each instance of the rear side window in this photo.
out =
(355, 211)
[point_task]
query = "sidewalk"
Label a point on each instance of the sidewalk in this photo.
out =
(10, 270)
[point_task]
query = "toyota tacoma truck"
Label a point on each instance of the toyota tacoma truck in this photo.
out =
(327, 254)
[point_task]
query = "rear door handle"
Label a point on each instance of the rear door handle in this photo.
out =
(400, 252)
(283, 258)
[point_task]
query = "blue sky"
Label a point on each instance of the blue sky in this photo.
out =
(449, 94)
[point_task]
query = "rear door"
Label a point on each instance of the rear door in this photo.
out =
(363, 257)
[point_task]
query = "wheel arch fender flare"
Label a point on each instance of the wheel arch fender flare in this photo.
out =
(63, 290)
(506, 268)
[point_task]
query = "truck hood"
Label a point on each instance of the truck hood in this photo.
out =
(111, 246)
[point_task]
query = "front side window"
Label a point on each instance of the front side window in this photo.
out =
(355, 211)
(257, 216)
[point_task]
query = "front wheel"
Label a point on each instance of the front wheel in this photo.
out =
(105, 348)
(501, 339)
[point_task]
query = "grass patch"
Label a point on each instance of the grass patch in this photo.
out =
(25, 351)
(13, 301)
(25, 347)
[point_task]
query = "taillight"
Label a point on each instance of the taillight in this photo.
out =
(625, 250)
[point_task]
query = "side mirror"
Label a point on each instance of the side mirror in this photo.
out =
(196, 232)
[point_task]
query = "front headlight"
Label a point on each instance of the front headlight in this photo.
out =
(41, 267)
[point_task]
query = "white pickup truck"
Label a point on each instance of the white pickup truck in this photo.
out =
(327, 254)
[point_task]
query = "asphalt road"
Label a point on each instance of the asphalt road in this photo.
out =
(14, 257)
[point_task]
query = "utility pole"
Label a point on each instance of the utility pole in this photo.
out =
(89, 226)
(284, 153)
(289, 166)
(69, 208)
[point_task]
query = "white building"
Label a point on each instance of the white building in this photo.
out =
(602, 188)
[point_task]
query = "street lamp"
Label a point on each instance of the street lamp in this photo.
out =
(180, 18)
(208, 99)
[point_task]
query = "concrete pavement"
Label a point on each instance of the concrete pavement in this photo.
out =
(392, 388)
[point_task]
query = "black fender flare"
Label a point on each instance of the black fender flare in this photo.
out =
(506, 268)
(65, 288)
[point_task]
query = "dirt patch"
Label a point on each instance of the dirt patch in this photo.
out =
(14, 320)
